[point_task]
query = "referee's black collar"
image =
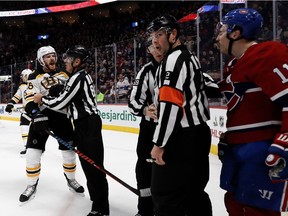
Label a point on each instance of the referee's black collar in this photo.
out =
(179, 47)
(155, 63)
(80, 71)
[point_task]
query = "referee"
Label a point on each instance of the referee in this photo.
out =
(79, 97)
(141, 104)
(182, 139)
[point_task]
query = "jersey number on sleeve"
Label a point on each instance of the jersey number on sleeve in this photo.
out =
(280, 74)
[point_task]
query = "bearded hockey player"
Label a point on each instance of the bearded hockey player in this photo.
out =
(47, 80)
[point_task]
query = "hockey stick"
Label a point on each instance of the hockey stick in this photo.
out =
(89, 160)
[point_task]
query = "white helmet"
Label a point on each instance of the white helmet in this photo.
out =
(42, 51)
(25, 74)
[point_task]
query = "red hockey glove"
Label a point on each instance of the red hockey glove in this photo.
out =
(278, 157)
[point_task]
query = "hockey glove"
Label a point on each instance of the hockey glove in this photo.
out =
(40, 123)
(211, 87)
(277, 158)
(55, 90)
(9, 107)
(222, 146)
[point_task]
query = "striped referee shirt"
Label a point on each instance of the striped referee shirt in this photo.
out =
(142, 93)
(78, 96)
(180, 95)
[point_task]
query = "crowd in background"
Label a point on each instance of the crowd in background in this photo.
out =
(117, 48)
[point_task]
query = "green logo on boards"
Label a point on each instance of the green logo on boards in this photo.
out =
(117, 116)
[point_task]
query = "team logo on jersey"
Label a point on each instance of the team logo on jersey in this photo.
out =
(243, 11)
(231, 97)
(234, 91)
(47, 82)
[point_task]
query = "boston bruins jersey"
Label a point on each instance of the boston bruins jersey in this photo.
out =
(19, 95)
(41, 82)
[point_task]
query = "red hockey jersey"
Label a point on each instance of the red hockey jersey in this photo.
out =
(256, 89)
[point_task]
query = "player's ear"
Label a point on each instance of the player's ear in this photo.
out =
(173, 35)
(235, 34)
(77, 61)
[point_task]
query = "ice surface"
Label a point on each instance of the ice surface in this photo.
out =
(53, 197)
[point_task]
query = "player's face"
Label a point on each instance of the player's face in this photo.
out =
(155, 53)
(25, 77)
(160, 41)
(68, 63)
(222, 40)
(50, 61)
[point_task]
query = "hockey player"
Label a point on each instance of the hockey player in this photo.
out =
(255, 88)
(47, 80)
(19, 97)
(79, 98)
(182, 138)
(141, 104)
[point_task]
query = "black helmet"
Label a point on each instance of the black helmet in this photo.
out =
(78, 51)
(167, 21)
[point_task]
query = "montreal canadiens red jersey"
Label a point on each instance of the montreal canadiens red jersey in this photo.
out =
(256, 91)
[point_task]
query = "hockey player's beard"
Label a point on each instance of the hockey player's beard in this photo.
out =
(52, 66)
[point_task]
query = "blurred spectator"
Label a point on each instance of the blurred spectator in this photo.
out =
(122, 89)
(284, 38)
(267, 34)
(109, 95)
(99, 96)
(189, 43)
(114, 34)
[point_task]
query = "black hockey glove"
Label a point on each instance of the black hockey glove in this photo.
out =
(222, 146)
(211, 87)
(9, 107)
(40, 123)
(55, 90)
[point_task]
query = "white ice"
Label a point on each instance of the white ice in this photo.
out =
(53, 197)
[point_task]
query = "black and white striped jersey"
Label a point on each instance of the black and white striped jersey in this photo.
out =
(142, 93)
(180, 95)
(78, 96)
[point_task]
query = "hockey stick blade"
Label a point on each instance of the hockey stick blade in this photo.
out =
(89, 160)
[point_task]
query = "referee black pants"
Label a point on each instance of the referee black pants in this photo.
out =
(178, 186)
(88, 132)
(143, 169)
